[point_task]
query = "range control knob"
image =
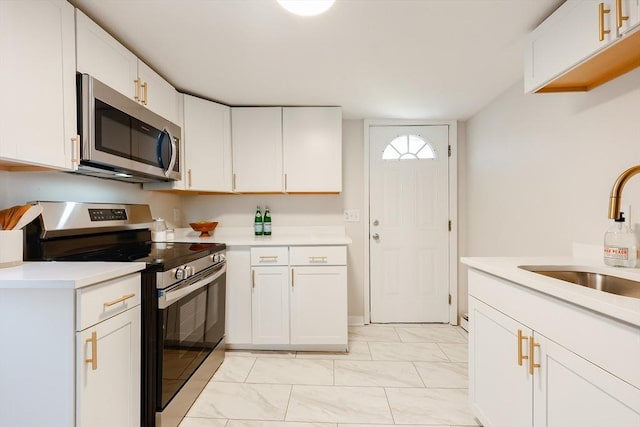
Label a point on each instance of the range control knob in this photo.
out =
(191, 270)
(181, 273)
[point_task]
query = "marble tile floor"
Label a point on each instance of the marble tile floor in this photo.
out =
(402, 375)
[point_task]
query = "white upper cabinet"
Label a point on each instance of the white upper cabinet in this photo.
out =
(157, 94)
(103, 57)
(289, 149)
(257, 149)
(207, 145)
(312, 149)
(583, 44)
(37, 83)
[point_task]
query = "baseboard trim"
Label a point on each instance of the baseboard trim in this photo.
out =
(356, 320)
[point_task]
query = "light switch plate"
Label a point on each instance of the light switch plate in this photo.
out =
(352, 215)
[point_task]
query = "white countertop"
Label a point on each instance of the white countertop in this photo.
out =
(56, 275)
(281, 236)
(618, 307)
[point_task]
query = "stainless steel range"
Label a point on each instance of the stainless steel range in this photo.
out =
(183, 295)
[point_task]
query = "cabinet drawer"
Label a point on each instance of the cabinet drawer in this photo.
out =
(318, 255)
(100, 302)
(273, 255)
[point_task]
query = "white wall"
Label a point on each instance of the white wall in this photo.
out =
(539, 168)
(16, 188)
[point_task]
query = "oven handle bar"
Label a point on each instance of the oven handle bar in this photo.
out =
(166, 298)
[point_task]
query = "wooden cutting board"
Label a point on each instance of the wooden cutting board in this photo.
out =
(10, 217)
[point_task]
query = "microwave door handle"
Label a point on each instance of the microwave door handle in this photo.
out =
(174, 153)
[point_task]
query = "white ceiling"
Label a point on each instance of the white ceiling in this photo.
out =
(405, 59)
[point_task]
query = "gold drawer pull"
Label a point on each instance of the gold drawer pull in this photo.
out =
(121, 299)
(253, 278)
(268, 257)
(94, 351)
(317, 259)
(521, 356)
(532, 346)
(293, 280)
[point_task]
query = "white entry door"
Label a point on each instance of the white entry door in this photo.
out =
(409, 223)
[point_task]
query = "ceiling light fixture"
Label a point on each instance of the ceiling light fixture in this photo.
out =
(306, 7)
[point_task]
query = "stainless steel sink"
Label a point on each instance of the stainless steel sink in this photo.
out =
(594, 280)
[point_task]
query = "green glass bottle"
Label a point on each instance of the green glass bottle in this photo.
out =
(267, 222)
(257, 223)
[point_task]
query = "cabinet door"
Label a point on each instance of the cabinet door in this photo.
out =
(312, 147)
(629, 9)
(256, 134)
(157, 94)
(207, 143)
(109, 395)
(238, 310)
(499, 387)
(270, 305)
(37, 82)
(319, 305)
(104, 58)
(568, 36)
(570, 391)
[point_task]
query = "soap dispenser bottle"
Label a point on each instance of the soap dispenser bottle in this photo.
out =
(620, 245)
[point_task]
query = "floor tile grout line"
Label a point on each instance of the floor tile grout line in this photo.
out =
(250, 369)
(386, 396)
(286, 409)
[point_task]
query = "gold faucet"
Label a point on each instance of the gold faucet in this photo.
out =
(616, 192)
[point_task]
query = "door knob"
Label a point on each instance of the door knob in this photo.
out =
(376, 222)
(375, 236)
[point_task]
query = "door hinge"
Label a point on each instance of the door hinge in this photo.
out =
(449, 151)
(449, 299)
(449, 225)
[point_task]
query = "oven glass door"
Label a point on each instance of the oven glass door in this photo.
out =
(121, 135)
(191, 326)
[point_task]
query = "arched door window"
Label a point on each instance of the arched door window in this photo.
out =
(408, 147)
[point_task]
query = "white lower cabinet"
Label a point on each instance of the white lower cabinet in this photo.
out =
(519, 377)
(270, 305)
(238, 296)
(318, 305)
(285, 297)
(108, 372)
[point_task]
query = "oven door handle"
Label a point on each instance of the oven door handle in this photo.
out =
(166, 298)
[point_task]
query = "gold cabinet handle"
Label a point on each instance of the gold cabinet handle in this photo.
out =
(293, 281)
(266, 257)
(601, 12)
(620, 18)
(75, 149)
(317, 259)
(189, 177)
(233, 184)
(285, 182)
(94, 351)
(117, 300)
(136, 96)
(521, 356)
(145, 92)
(253, 279)
(532, 364)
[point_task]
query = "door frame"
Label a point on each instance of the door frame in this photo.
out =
(453, 210)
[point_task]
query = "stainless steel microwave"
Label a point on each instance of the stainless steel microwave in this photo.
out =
(123, 140)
